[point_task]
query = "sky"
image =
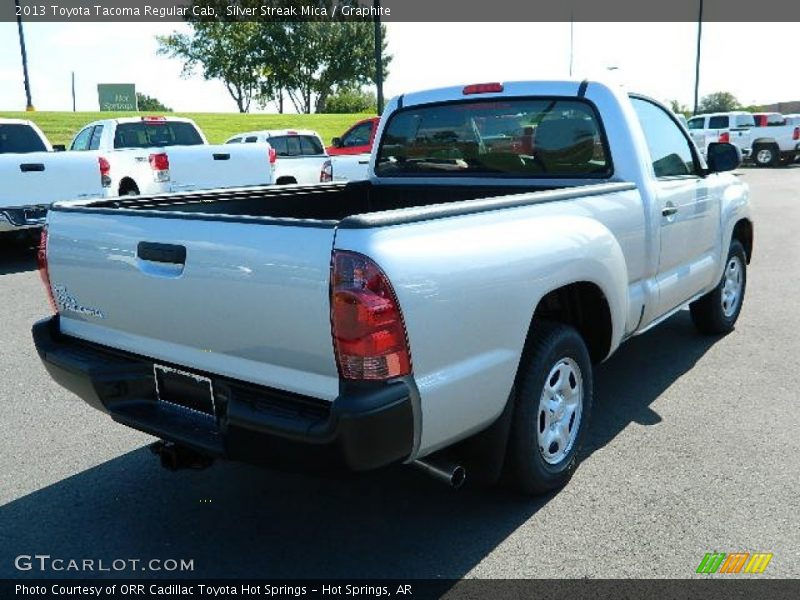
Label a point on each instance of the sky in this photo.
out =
(657, 59)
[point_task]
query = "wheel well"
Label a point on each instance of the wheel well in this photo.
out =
(127, 184)
(286, 180)
(583, 306)
(743, 231)
(765, 142)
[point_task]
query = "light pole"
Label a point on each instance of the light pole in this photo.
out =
(378, 54)
(29, 105)
(697, 61)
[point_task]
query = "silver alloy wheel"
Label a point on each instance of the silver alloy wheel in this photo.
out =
(559, 415)
(732, 286)
(764, 156)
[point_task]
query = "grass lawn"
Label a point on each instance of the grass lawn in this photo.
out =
(60, 127)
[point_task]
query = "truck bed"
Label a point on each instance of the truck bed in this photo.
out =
(339, 201)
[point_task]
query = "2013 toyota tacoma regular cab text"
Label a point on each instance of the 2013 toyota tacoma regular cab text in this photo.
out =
(445, 313)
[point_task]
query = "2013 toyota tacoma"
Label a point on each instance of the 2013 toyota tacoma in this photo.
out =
(446, 313)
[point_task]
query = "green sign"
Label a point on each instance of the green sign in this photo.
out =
(117, 96)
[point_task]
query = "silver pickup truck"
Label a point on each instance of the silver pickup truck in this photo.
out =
(447, 313)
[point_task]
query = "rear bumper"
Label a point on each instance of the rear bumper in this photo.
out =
(22, 217)
(366, 427)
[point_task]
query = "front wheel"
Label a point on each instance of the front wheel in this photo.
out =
(717, 311)
(552, 406)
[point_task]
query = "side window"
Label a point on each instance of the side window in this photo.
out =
(670, 151)
(697, 123)
(357, 136)
(250, 140)
(234, 141)
(94, 142)
(81, 141)
(718, 123)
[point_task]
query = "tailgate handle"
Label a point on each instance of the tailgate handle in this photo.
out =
(31, 167)
(161, 253)
(222, 156)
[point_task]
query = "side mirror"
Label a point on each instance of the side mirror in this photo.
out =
(59, 148)
(723, 157)
(336, 142)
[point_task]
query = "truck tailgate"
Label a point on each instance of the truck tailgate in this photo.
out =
(44, 177)
(245, 298)
(229, 165)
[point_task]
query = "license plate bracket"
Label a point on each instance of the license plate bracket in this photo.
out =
(185, 390)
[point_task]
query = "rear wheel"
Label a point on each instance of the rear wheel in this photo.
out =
(128, 189)
(552, 406)
(766, 155)
(717, 311)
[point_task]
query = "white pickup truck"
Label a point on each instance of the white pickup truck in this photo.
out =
(774, 140)
(301, 156)
(157, 154)
(447, 313)
(768, 139)
(32, 176)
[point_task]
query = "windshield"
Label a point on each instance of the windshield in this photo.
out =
(530, 137)
(149, 134)
(19, 138)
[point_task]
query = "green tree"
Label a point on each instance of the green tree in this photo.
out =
(718, 102)
(224, 51)
(147, 103)
(261, 61)
(347, 100)
(308, 60)
(678, 108)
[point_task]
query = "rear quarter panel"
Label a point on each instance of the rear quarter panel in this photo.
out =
(468, 287)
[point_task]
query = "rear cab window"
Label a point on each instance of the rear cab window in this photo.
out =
(149, 134)
(20, 138)
(509, 137)
(296, 145)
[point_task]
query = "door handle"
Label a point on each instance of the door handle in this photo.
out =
(669, 210)
(161, 253)
(31, 167)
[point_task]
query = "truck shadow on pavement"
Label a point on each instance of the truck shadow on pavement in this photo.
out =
(234, 520)
(17, 256)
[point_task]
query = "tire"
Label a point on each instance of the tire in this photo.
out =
(129, 189)
(717, 312)
(555, 360)
(766, 155)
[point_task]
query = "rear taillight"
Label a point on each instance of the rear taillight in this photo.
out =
(796, 134)
(273, 156)
(369, 335)
(105, 172)
(326, 174)
(725, 138)
(159, 163)
(44, 273)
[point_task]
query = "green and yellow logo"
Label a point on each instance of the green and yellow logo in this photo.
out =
(736, 562)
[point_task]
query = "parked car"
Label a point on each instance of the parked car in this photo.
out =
(301, 156)
(774, 140)
(32, 176)
(157, 154)
(350, 153)
(447, 313)
(726, 127)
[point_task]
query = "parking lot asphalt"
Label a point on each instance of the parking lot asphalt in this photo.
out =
(694, 447)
